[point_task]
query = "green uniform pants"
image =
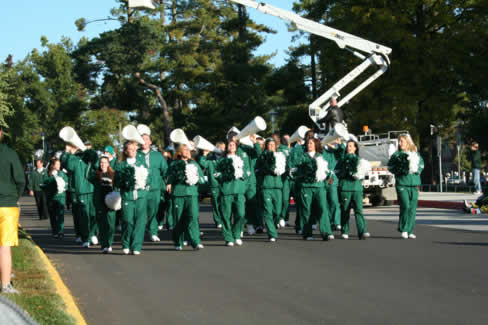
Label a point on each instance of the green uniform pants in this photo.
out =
(153, 199)
(334, 205)
(407, 199)
(251, 205)
(106, 225)
(215, 195)
(87, 214)
(313, 205)
(285, 215)
(185, 213)
(75, 211)
(133, 223)
(56, 216)
(232, 205)
(298, 218)
(272, 203)
(352, 199)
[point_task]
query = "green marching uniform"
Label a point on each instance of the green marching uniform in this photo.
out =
(270, 168)
(35, 180)
(351, 193)
(332, 189)
(184, 177)
(55, 187)
(158, 168)
(310, 175)
(294, 159)
(103, 184)
(249, 155)
(407, 170)
(214, 185)
(229, 172)
(287, 184)
(83, 189)
(133, 191)
(71, 195)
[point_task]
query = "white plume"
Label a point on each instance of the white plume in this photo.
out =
(363, 169)
(238, 164)
(322, 169)
(113, 201)
(191, 173)
(140, 175)
(413, 162)
(280, 167)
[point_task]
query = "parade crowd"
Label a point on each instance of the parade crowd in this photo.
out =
(250, 188)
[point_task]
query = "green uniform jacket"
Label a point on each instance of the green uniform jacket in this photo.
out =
(295, 155)
(475, 159)
(131, 195)
(50, 186)
(12, 177)
(409, 179)
(267, 181)
(80, 173)
(209, 164)
(101, 188)
(347, 183)
(249, 155)
(35, 180)
(183, 189)
(330, 155)
(157, 168)
(305, 158)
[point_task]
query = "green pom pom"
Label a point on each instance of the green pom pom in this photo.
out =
(306, 171)
(399, 165)
(125, 178)
(90, 156)
(266, 163)
(225, 168)
(351, 162)
(177, 171)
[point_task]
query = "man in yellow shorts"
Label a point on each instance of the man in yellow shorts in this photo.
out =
(12, 184)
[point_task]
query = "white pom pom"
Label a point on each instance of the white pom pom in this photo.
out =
(238, 164)
(140, 175)
(191, 173)
(413, 162)
(113, 201)
(363, 169)
(280, 167)
(61, 184)
(322, 169)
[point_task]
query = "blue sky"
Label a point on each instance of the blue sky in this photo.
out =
(25, 21)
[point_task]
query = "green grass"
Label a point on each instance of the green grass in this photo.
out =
(38, 295)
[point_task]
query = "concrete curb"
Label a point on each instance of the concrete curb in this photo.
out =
(62, 290)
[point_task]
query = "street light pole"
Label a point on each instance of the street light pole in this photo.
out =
(439, 154)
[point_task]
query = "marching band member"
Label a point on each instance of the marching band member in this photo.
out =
(284, 147)
(311, 172)
(35, 190)
(270, 168)
(229, 173)
(102, 180)
(55, 184)
(184, 174)
(158, 168)
(331, 153)
(351, 170)
(79, 166)
(132, 178)
(407, 165)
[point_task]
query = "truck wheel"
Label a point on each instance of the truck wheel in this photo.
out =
(377, 200)
(388, 203)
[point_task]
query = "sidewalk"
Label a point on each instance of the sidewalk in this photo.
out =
(445, 200)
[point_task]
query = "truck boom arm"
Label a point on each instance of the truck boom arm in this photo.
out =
(378, 55)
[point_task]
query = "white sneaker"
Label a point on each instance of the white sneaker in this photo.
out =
(314, 227)
(201, 233)
(250, 230)
(330, 237)
(278, 226)
(282, 223)
(219, 226)
(272, 240)
(78, 240)
(136, 253)
(109, 249)
(86, 245)
(366, 235)
(338, 227)
(477, 193)
(239, 242)
(94, 240)
(126, 251)
(404, 235)
(242, 234)
(412, 236)
(155, 238)
(105, 250)
(185, 243)
(199, 246)
(229, 244)
(9, 289)
(309, 238)
(178, 248)
(160, 227)
(345, 236)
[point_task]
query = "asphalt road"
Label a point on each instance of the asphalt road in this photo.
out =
(439, 278)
